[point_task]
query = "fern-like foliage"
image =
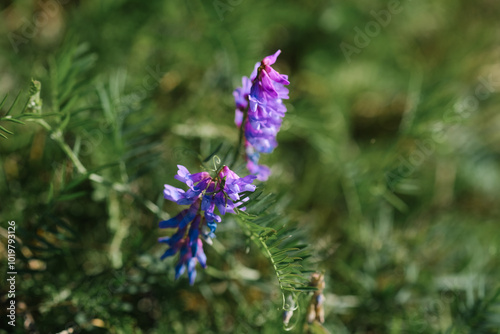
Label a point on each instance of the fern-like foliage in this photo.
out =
(31, 110)
(70, 73)
(7, 117)
(280, 243)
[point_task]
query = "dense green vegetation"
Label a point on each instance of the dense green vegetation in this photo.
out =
(388, 162)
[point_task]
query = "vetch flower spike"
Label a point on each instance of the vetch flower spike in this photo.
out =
(199, 221)
(260, 111)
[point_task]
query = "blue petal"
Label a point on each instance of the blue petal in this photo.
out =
(168, 252)
(202, 258)
(172, 222)
(192, 276)
(180, 268)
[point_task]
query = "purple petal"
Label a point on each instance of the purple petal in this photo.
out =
(226, 172)
(276, 77)
(269, 60)
(173, 194)
(220, 202)
(267, 85)
(254, 72)
(238, 117)
(197, 177)
(262, 171)
(183, 175)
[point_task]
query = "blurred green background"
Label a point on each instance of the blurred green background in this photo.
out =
(388, 159)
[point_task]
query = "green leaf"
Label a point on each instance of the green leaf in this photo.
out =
(8, 119)
(106, 104)
(13, 104)
(3, 101)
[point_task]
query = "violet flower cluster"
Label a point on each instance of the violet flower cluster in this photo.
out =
(259, 114)
(260, 111)
(199, 221)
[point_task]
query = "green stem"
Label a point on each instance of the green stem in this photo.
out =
(57, 137)
(120, 228)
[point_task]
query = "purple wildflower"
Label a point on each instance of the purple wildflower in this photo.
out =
(200, 220)
(260, 110)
